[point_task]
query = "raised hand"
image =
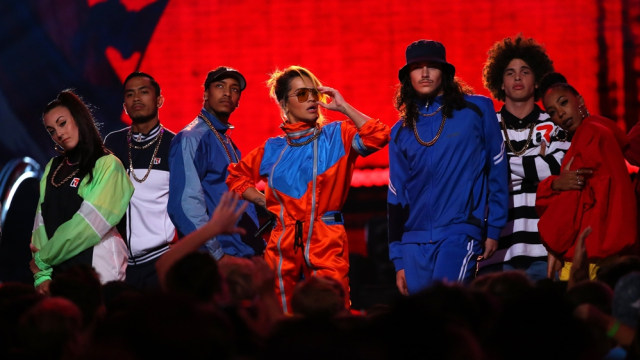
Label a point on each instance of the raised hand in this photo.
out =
(226, 215)
(337, 102)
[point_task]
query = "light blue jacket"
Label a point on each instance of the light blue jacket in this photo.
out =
(198, 166)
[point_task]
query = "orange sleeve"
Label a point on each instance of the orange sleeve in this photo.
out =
(245, 173)
(375, 134)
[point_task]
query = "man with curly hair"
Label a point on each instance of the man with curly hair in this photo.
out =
(534, 145)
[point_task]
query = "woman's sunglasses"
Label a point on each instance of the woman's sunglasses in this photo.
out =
(303, 94)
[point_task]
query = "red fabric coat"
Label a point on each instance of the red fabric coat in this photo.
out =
(606, 203)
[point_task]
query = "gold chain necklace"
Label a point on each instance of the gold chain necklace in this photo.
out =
(204, 118)
(146, 146)
(564, 138)
(433, 113)
(155, 152)
(433, 141)
(66, 159)
(56, 173)
(316, 133)
(526, 145)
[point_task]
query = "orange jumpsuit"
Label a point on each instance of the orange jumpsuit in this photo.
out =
(308, 174)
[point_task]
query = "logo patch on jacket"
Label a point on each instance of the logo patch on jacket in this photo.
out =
(75, 182)
(542, 132)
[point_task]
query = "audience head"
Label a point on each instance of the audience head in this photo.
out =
(51, 329)
(195, 275)
(80, 283)
(15, 299)
(626, 299)
(318, 296)
(613, 268)
(591, 292)
(506, 286)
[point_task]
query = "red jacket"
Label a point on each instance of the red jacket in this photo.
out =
(606, 203)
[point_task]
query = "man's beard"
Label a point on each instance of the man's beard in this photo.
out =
(222, 113)
(144, 118)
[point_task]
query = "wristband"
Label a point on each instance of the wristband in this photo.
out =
(613, 330)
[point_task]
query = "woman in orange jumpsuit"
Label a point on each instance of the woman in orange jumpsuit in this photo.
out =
(308, 174)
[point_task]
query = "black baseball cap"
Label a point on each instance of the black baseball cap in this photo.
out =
(224, 72)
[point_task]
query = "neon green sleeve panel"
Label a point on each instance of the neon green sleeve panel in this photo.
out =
(105, 202)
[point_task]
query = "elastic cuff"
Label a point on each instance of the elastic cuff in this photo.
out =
(241, 189)
(39, 263)
(613, 330)
(493, 232)
(40, 279)
(398, 264)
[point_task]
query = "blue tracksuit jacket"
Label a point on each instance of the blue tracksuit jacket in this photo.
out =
(457, 186)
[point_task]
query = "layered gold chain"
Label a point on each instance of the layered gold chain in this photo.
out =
(433, 141)
(526, 145)
(155, 152)
(65, 179)
(316, 133)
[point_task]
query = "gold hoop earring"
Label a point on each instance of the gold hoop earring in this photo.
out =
(583, 111)
(58, 148)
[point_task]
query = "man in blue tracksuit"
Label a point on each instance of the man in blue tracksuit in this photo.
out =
(199, 157)
(448, 176)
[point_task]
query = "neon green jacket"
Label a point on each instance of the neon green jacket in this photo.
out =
(105, 201)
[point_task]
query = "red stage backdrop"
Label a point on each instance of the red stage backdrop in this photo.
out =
(358, 46)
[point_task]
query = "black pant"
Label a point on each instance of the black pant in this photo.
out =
(143, 276)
